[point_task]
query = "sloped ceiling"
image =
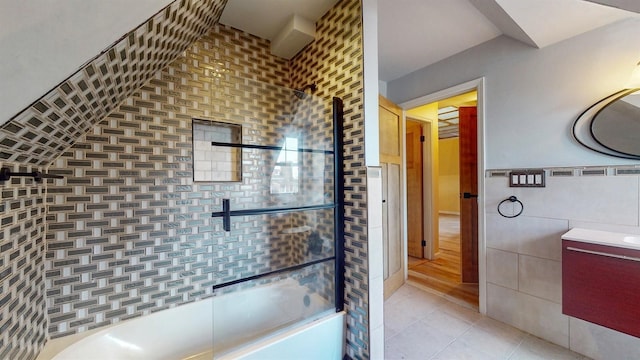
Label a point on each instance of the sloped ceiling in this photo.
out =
(432, 30)
(43, 42)
(415, 33)
(629, 5)
(55, 121)
(547, 22)
(51, 124)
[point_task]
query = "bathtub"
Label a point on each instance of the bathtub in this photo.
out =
(283, 321)
(251, 324)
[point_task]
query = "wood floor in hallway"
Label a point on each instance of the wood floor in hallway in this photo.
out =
(443, 274)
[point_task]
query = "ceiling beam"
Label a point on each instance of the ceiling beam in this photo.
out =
(503, 21)
(629, 5)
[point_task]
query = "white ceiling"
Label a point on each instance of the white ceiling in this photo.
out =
(416, 33)
(413, 34)
(265, 18)
(433, 30)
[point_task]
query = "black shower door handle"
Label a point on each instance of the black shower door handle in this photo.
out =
(226, 214)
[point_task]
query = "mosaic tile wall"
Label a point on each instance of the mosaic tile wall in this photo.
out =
(334, 62)
(23, 317)
(41, 132)
(38, 134)
(129, 231)
(257, 244)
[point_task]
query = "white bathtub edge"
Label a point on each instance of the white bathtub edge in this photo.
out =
(262, 349)
(54, 346)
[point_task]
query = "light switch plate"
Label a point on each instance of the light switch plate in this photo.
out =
(527, 178)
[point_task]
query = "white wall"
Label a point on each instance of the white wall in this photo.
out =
(382, 86)
(371, 90)
(449, 175)
(374, 178)
(43, 42)
(533, 95)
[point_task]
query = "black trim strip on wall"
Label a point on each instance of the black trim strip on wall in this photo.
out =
(227, 212)
(269, 147)
(338, 194)
(274, 272)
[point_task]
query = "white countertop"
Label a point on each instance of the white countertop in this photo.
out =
(608, 238)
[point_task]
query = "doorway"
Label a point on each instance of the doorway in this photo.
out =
(394, 253)
(448, 232)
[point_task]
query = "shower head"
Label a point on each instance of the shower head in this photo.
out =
(300, 93)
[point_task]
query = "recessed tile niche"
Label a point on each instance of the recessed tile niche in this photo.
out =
(222, 162)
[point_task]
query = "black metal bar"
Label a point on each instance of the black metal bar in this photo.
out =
(338, 194)
(269, 147)
(6, 174)
(290, 268)
(226, 214)
(249, 212)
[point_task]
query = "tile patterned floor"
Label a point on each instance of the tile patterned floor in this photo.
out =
(421, 325)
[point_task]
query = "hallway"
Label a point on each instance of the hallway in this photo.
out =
(443, 274)
(421, 325)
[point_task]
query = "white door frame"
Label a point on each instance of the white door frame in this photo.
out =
(478, 85)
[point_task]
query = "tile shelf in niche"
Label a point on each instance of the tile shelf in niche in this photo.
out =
(216, 164)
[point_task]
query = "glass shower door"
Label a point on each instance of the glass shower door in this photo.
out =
(278, 233)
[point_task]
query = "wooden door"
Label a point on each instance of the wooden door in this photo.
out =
(415, 212)
(468, 194)
(390, 118)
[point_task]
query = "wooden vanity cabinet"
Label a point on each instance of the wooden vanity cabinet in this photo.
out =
(601, 284)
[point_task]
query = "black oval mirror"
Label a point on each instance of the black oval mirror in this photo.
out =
(617, 125)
